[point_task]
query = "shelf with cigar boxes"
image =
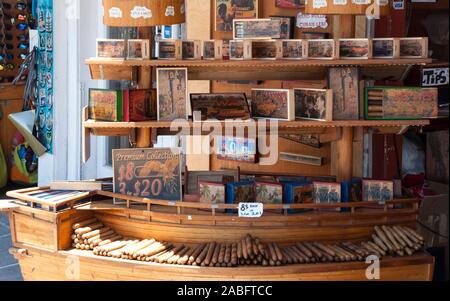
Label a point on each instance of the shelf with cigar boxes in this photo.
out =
(254, 69)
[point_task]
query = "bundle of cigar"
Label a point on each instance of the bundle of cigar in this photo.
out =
(91, 233)
(375, 104)
(249, 251)
(395, 241)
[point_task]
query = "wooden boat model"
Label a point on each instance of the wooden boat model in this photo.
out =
(43, 245)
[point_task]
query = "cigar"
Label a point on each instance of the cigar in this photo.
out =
(304, 250)
(95, 233)
(84, 223)
(391, 238)
(195, 254)
(89, 228)
(221, 258)
(379, 243)
(314, 250)
(210, 253)
(404, 237)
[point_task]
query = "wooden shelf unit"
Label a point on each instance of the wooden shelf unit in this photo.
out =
(379, 69)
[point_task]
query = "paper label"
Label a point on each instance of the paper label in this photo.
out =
(141, 12)
(433, 77)
(340, 2)
(115, 12)
(319, 3)
(251, 210)
(311, 21)
(170, 11)
(398, 5)
(360, 2)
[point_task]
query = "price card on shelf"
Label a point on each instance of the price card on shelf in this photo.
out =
(251, 210)
(433, 77)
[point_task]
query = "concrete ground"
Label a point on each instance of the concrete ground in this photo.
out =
(9, 268)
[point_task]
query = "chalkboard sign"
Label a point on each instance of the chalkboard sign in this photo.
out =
(153, 173)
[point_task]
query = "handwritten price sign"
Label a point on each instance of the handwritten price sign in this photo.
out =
(251, 210)
(432, 77)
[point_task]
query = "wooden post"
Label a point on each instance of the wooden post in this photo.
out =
(344, 156)
(143, 136)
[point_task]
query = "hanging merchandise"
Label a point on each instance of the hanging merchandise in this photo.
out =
(44, 111)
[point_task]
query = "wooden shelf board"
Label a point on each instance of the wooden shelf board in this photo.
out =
(380, 69)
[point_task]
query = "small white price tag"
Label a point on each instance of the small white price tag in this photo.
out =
(251, 210)
(432, 77)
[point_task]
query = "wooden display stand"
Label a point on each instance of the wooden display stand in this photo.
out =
(188, 223)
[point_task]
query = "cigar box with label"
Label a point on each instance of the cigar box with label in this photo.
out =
(414, 48)
(276, 104)
(169, 50)
(226, 49)
(322, 49)
(139, 105)
(294, 49)
(386, 48)
(391, 103)
(236, 50)
(113, 49)
(191, 50)
(212, 50)
(256, 29)
(327, 193)
(377, 191)
(298, 192)
(354, 49)
(106, 105)
(314, 104)
(262, 49)
(138, 49)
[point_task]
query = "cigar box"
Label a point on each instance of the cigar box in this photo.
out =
(386, 48)
(236, 50)
(391, 103)
(226, 49)
(106, 105)
(262, 49)
(139, 105)
(212, 50)
(277, 104)
(256, 29)
(300, 192)
(414, 47)
(314, 104)
(354, 49)
(268, 193)
(211, 192)
(138, 49)
(377, 191)
(169, 50)
(322, 49)
(294, 49)
(191, 50)
(345, 83)
(327, 193)
(111, 49)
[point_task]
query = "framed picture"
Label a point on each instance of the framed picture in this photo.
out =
(276, 104)
(212, 50)
(414, 47)
(111, 49)
(355, 49)
(268, 193)
(256, 29)
(236, 149)
(287, 26)
(294, 49)
(236, 50)
(385, 48)
(152, 173)
(228, 10)
(139, 105)
(138, 50)
(221, 106)
(262, 49)
(377, 191)
(169, 49)
(211, 193)
(190, 50)
(322, 49)
(240, 192)
(352, 191)
(314, 104)
(290, 3)
(345, 84)
(172, 94)
(105, 105)
(326, 193)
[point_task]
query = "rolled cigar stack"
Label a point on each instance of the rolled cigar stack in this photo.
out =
(375, 104)
(89, 233)
(396, 241)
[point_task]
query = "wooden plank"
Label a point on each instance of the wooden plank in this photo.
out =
(35, 232)
(7, 206)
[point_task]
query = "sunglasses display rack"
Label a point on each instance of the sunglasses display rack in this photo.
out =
(14, 38)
